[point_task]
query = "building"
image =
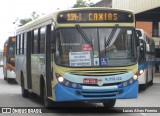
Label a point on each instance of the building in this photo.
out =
(103, 3)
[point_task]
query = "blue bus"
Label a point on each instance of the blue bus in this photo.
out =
(146, 59)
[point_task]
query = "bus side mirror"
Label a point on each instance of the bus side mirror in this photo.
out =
(138, 33)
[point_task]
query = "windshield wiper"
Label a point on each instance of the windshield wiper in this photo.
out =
(106, 43)
(111, 35)
(84, 36)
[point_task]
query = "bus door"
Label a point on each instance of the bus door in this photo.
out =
(28, 59)
(49, 60)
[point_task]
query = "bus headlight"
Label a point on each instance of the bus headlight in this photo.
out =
(67, 83)
(141, 71)
(60, 79)
(135, 77)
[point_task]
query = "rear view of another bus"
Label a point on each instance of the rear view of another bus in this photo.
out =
(9, 59)
(146, 59)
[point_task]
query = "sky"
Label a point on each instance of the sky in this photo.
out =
(10, 10)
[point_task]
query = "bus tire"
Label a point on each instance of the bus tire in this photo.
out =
(151, 82)
(9, 80)
(109, 103)
(143, 87)
(25, 92)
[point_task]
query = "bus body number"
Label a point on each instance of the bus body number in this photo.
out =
(113, 79)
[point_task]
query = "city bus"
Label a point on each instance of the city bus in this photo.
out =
(81, 54)
(9, 59)
(146, 59)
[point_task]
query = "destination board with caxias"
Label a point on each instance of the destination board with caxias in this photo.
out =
(94, 16)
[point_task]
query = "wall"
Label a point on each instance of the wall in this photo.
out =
(146, 26)
(136, 6)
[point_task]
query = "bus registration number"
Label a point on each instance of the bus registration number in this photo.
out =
(90, 81)
(113, 79)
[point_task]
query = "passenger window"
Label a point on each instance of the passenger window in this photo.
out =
(42, 40)
(35, 42)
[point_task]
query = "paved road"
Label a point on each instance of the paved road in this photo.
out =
(10, 96)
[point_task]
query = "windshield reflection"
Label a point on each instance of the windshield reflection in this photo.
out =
(73, 50)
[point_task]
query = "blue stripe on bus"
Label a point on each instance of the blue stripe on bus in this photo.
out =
(144, 65)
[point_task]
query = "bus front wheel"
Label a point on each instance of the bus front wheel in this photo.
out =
(109, 103)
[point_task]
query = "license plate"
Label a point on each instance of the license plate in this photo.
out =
(90, 81)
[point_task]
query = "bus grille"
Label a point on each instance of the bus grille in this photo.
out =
(100, 94)
(106, 84)
(100, 72)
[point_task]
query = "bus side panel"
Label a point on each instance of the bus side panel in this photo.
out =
(20, 68)
(37, 69)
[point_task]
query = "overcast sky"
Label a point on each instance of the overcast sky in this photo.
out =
(12, 9)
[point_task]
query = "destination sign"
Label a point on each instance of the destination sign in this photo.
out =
(94, 16)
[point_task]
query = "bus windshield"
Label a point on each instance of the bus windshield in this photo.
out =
(74, 51)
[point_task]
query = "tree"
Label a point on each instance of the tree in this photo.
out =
(82, 3)
(34, 15)
(21, 22)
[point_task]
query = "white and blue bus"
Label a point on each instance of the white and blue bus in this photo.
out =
(68, 55)
(146, 59)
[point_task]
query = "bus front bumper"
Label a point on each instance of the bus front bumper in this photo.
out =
(64, 93)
